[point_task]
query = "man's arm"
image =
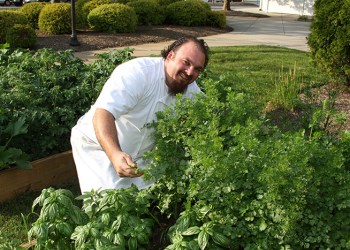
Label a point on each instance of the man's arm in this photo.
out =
(107, 136)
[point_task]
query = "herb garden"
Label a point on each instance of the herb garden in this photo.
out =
(225, 176)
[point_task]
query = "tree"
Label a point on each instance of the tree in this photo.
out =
(226, 6)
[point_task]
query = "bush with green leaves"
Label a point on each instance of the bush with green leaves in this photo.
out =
(216, 19)
(251, 187)
(148, 12)
(55, 19)
(9, 155)
(81, 19)
(50, 90)
(8, 18)
(32, 12)
(85, 6)
(329, 38)
(187, 13)
(21, 36)
(113, 18)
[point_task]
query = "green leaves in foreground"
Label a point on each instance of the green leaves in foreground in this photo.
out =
(260, 188)
(9, 155)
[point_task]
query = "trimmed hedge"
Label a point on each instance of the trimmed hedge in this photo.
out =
(8, 18)
(329, 38)
(21, 36)
(148, 12)
(187, 13)
(55, 19)
(114, 18)
(88, 6)
(32, 12)
(216, 19)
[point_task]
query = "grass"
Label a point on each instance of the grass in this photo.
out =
(252, 69)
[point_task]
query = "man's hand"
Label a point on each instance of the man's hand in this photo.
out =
(125, 167)
(107, 135)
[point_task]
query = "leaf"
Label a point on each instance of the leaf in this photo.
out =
(203, 239)
(191, 231)
(262, 226)
(17, 127)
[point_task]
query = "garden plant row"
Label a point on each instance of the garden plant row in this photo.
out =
(224, 177)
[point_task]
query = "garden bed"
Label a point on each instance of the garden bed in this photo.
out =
(49, 171)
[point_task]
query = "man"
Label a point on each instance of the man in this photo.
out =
(109, 140)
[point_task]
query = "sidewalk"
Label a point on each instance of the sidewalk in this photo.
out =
(276, 30)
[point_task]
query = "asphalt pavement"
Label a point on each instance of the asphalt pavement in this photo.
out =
(275, 29)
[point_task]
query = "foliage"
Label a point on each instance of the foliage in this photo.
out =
(148, 12)
(57, 220)
(187, 13)
(110, 219)
(55, 19)
(8, 18)
(50, 90)
(286, 91)
(329, 38)
(114, 18)
(81, 17)
(84, 8)
(32, 12)
(253, 185)
(216, 19)
(8, 155)
(166, 2)
(21, 36)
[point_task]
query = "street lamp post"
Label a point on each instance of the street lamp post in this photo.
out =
(73, 41)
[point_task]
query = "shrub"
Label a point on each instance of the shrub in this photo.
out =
(216, 19)
(166, 2)
(148, 12)
(80, 18)
(329, 38)
(32, 11)
(187, 13)
(21, 36)
(55, 18)
(9, 18)
(114, 18)
(88, 6)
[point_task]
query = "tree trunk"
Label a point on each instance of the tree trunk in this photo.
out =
(226, 6)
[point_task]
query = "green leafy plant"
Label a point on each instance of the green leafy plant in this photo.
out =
(288, 87)
(181, 13)
(21, 36)
(10, 155)
(328, 40)
(32, 12)
(148, 12)
(114, 18)
(8, 18)
(55, 19)
(57, 220)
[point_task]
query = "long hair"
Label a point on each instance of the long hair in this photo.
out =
(202, 45)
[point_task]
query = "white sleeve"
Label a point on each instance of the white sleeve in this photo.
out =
(122, 90)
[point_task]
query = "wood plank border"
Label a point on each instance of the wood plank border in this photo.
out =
(46, 172)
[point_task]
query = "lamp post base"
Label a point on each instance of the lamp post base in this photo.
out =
(73, 41)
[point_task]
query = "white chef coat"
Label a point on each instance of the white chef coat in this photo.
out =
(133, 94)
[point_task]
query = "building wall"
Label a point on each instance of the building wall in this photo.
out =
(299, 7)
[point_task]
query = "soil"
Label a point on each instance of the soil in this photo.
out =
(91, 40)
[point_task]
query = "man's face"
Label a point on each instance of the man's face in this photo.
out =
(183, 67)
